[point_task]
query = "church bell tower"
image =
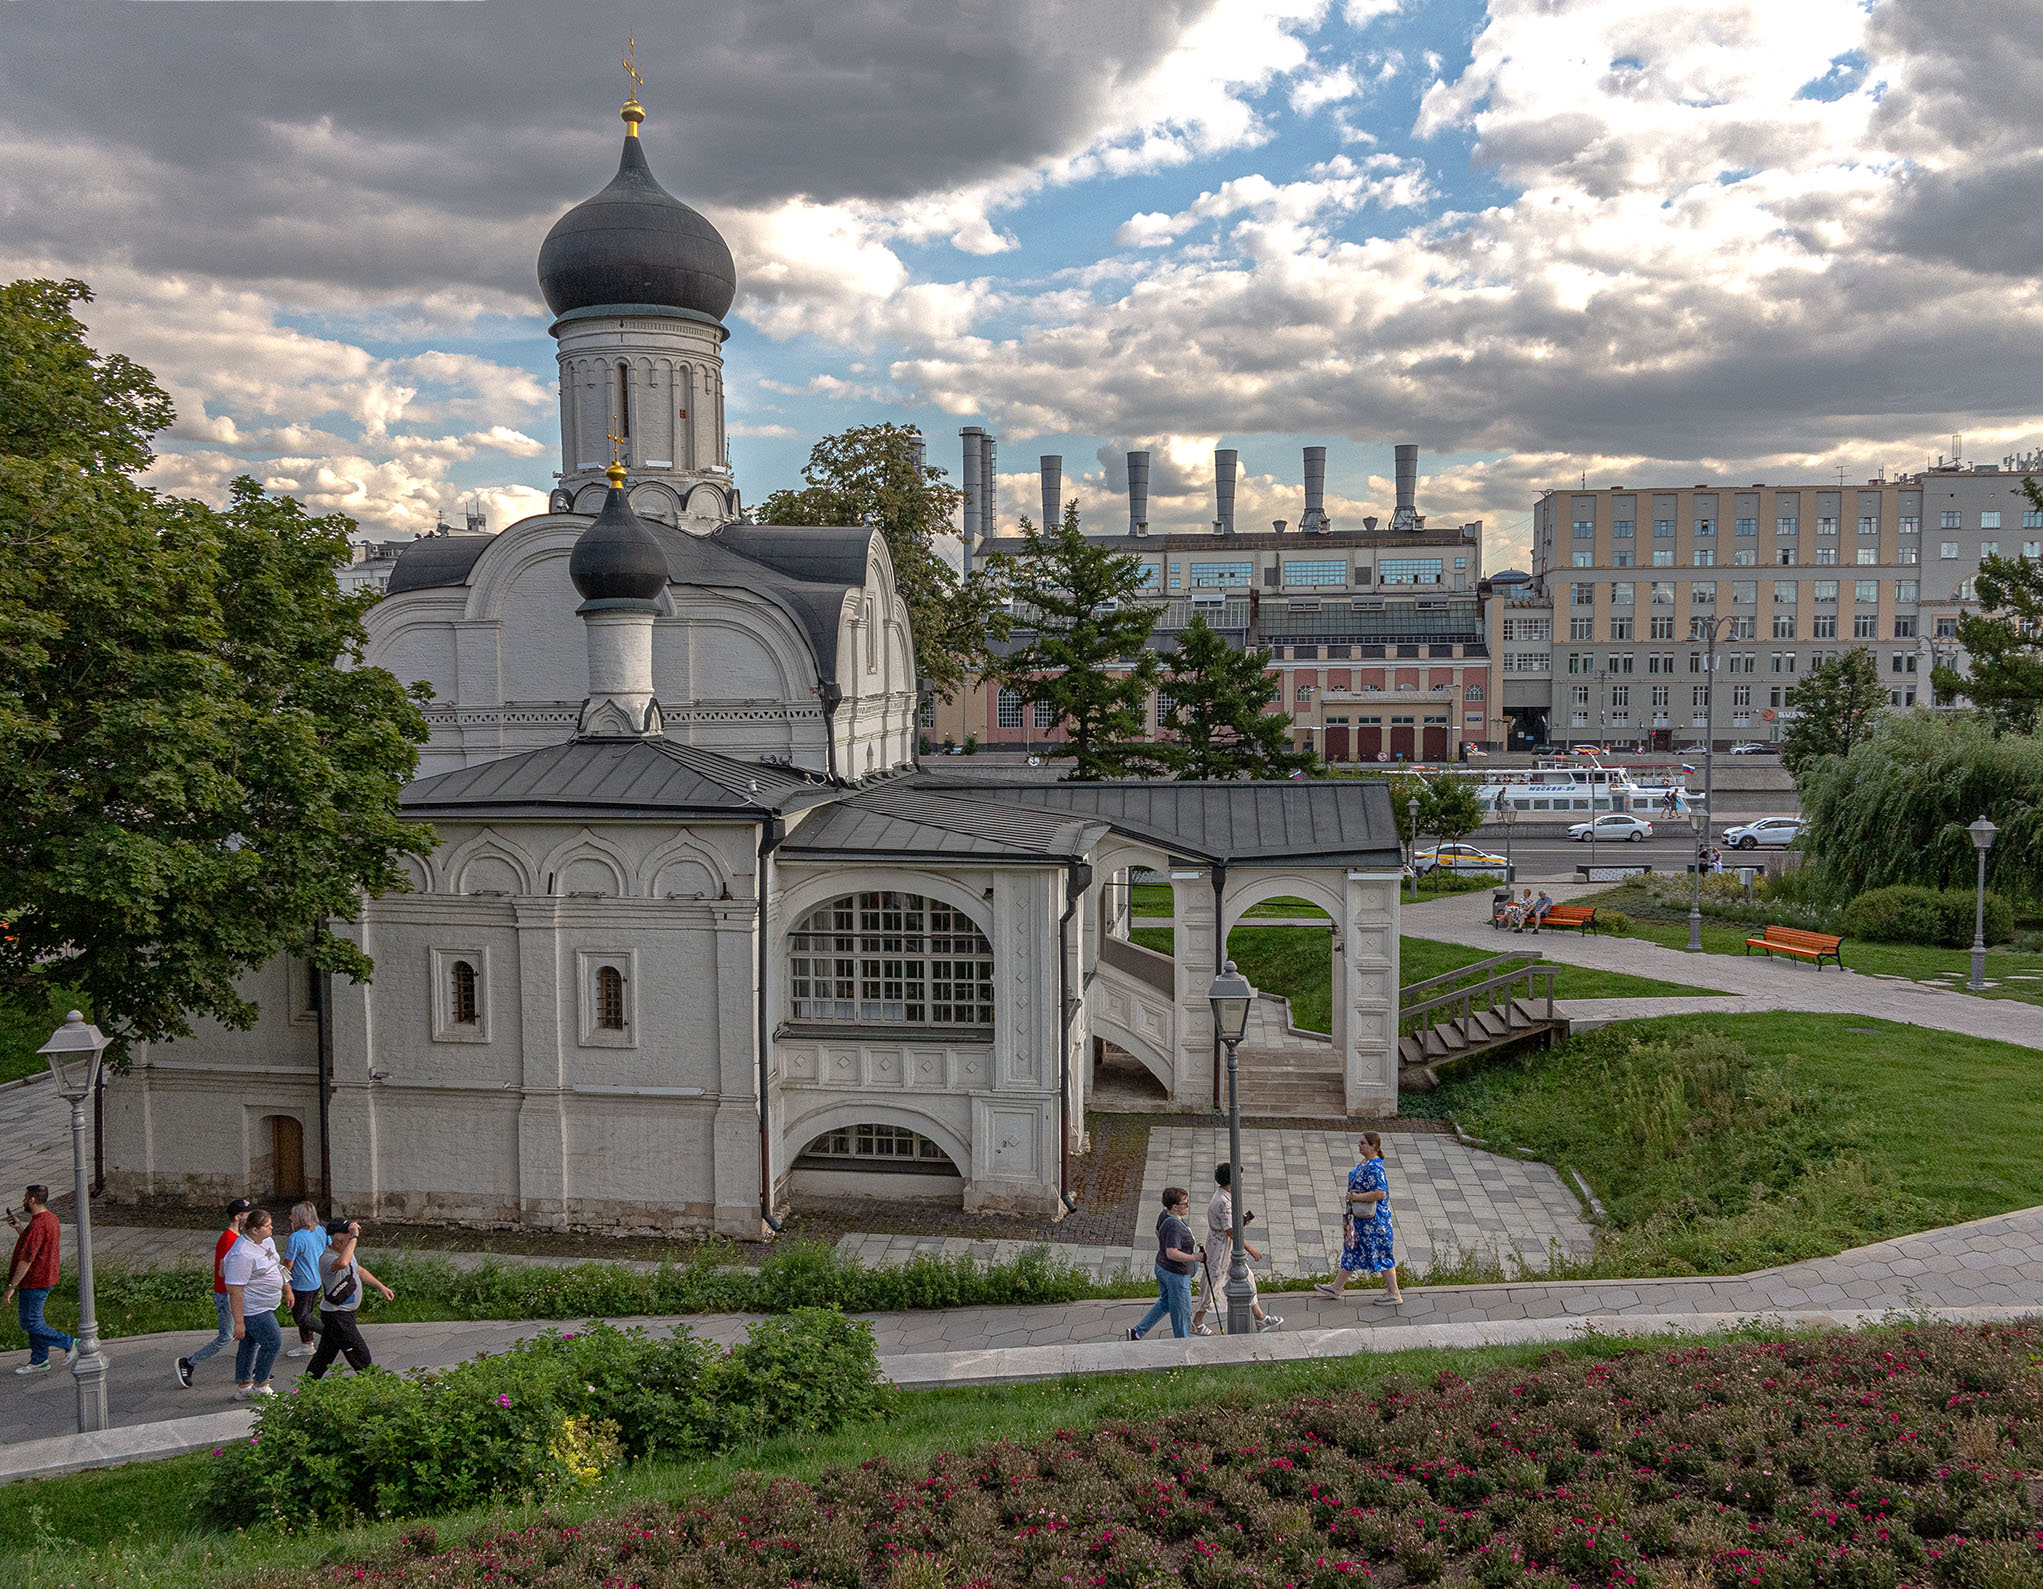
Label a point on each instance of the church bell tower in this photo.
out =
(639, 284)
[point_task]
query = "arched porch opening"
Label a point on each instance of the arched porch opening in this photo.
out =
(1132, 978)
(1282, 930)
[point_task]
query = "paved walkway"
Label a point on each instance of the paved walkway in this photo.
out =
(1995, 1262)
(1449, 1202)
(1761, 984)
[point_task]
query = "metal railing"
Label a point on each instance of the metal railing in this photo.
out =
(1493, 987)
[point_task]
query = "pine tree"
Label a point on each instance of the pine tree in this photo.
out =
(1218, 721)
(1835, 706)
(2004, 641)
(1079, 605)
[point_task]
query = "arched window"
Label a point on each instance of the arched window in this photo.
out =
(464, 993)
(885, 957)
(624, 399)
(610, 999)
(879, 1147)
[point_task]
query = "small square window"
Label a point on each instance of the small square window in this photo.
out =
(1948, 551)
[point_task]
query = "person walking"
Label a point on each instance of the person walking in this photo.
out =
(256, 1283)
(1219, 1254)
(341, 1277)
(1176, 1258)
(308, 1241)
(236, 1212)
(32, 1276)
(1366, 1228)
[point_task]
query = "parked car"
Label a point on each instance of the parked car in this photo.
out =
(1613, 825)
(1458, 858)
(1775, 831)
(1752, 747)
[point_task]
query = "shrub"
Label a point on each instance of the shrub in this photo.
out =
(1906, 913)
(550, 1415)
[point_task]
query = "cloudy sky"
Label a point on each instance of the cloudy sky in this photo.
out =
(1642, 240)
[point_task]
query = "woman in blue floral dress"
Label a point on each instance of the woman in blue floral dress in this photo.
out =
(1366, 1230)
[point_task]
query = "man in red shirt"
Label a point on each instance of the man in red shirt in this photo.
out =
(32, 1277)
(236, 1212)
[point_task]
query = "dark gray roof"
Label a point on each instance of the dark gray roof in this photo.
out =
(636, 244)
(1344, 822)
(437, 560)
(818, 554)
(645, 777)
(901, 818)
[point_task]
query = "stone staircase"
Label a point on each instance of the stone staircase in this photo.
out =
(1491, 1007)
(1286, 1073)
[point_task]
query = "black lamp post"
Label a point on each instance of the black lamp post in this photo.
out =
(1510, 826)
(1700, 822)
(1412, 810)
(74, 1051)
(1983, 833)
(1230, 996)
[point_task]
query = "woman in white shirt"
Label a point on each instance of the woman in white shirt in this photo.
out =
(256, 1283)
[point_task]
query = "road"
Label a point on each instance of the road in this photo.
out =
(1538, 859)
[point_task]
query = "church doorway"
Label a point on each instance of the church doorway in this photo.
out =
(286, 1167)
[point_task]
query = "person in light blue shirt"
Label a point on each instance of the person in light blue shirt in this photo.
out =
(308, 1241)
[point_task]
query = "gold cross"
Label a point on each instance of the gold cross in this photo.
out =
(631, 65)
(616, 446)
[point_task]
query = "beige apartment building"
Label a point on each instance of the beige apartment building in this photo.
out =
(1605, 643)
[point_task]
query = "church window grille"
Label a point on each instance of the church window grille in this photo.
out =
(624, 400)
(463, 991)
(610, 999)
(887, 957)
(881, 1146)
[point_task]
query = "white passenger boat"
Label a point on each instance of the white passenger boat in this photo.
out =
(1577, 784)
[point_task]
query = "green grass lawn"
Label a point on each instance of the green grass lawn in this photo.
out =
(1298, 965)
(1946, 968)
(139, 1525)
(1722, 1143)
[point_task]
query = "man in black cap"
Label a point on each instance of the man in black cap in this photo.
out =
(236, 1212)
(341, 1278)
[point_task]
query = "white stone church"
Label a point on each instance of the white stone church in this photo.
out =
(700, 935)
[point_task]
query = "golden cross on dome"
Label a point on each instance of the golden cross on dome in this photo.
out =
(633, 112)
(616, 470)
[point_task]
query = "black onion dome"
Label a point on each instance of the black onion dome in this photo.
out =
(635, 243)
(617, 559)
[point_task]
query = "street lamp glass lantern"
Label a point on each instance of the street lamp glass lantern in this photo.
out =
(73, 1051)
(1230, 996)
(1510, 812)
(1983, 834)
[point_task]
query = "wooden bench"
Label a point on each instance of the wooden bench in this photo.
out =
(1802, 945)
(1580, 917)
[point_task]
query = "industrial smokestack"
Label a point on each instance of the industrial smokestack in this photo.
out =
(919, 450)
(1053, 489)
(1138, 493)
(1406, 516)
(1315, 519)
(989, 484)
(1224, 461)
(971, 435)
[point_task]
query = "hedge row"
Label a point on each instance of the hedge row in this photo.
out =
(546, 1416)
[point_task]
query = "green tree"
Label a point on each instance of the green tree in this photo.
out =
(1895, 810)
(188, 784)
(1454, 808)
(1218, 719)
(1834, 705)
(1078, 604)
(61, 400)
(868, 475)
(2004, 642)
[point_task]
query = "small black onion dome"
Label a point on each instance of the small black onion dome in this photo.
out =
(617, 559)
(635, 243)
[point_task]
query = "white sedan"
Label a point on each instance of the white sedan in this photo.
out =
(1612, 825)
(1767, 830)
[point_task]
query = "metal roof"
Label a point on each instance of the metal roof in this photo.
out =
(1327, 822)
(597, 777)
(902, 818)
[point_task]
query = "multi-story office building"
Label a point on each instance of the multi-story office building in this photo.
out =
(1376, 633)
(1604, 644)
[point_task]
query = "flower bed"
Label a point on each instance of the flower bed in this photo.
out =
(1827, 1462)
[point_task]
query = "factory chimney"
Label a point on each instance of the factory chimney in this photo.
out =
(971, 436)
(1224, 461)
(1406, 518)
(1053, 490)
(1138, 493)
(1315, 520)
(919, 449)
